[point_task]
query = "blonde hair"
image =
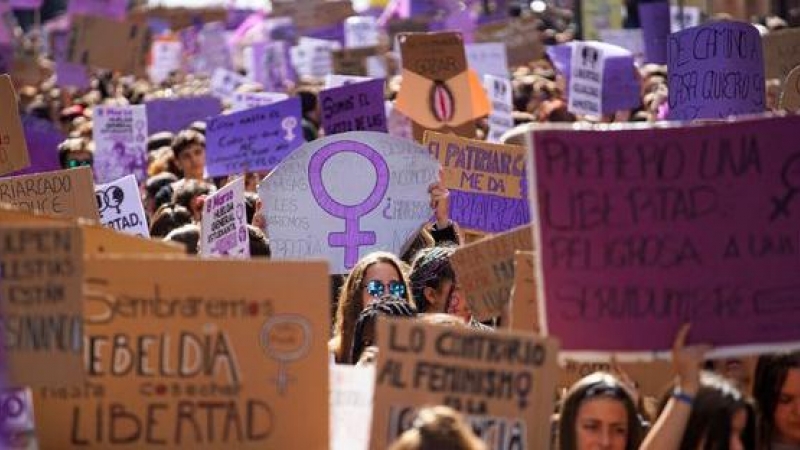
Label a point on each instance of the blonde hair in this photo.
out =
(438, 428)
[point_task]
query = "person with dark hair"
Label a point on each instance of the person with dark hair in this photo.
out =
(152, 186)
(438, 428)
(777, 390)
(75, 152)
(188, 235)
(251, 202)
(188, 193)
(198, 126)
(434, 286)
(310, 107)
(189, 148)
(364, 335)
(159, 140)
(168, 218)
(259, 244)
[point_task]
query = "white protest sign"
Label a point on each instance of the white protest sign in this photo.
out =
(488, 58)
(225, 82)
(312, 57)
(352, 389)
(346, 195)
(586, 79)
(247, 100)
(120, 137)
(500, 119)
(120, 206)
(376, 66)
(223, 231)
(361, 32)
(690, 18)
(399, 124)
(167, 57)
(334, 80)
(630, 39)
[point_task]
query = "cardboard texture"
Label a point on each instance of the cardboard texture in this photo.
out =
(524, 308)
(91, 36)
(41, 304)
(200, 360)
(28, 70)
(420, 365)
(485, 270)
(790, 98)
(179, 18)
(521, 37)
(13, 148)
(652, 378)
(352, 61)
(62, 192)
(315, 15)
(781, 52)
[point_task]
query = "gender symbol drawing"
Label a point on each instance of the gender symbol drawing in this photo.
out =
(352, 238)
(110, 199)
(790, 175)
(285, 338)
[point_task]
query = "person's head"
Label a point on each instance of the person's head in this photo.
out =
(168, 218)
(159, 140)
(598, 413)
(433, 282)
(188, 193)
(364, 335)
(259, 244)
(374, 275)
(189, 148)
(153, 185)
(777, 390)
(75, 152)
(438, 428)
(188, 235)
(721, 418)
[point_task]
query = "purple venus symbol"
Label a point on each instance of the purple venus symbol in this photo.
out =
(352, 238)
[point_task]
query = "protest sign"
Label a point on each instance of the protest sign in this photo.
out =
(500, 119)
(487, 182)
(684, 17)
(249, 100)
(420, 364)
(521, 37)
(13, 149)
(166, 57)
(179, 18)
(352, 389)
(398, 124)
(268, 64)
(28, 69)
(90, 38)
(630, 39)
(43, 138)
(586, 79)
(655, 20)
(42, 304)
(120, 137)
(357, 61)
(781, 52)
(67, 74)
(790, 97)
(353, 107)
(485, 270)
(361, 31)
(435, 68)
(61, 192)
(120, 206)
(642, 230)
(652, 378)
(111, 9)
(223, 231)
(600, 15)
(253, 140)
(200, 360)
(211, 51)
(314, 15)
(333, 80)
(488, 58)
(715, 70)
(176, 114)
(347, 195)
(225, 82)
(524, 305)
(18, 422)
(312, 57)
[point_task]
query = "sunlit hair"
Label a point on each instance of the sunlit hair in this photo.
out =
(438, 428)
(771, 373)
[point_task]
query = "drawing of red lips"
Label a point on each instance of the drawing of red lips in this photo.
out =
(777, 300)
(442, 102)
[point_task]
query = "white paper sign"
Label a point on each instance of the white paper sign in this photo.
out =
(630, 39)
(586, 79)
(247, 100)
(361, 32)
(398, 124)
(351, 394)
(120, 136)
(500, 119)
(691, 17)
(224, 83)
(213, 50)
(223, 231)
(120, 206)
(344, 196)
(489, 58)
(167, 57)
(334, 80)
(313, 57)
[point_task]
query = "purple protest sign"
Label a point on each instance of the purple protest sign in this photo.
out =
(655, 20)
(6, 57)
(120, 136)
(715, 70)
(112, 9)
(642, 230)
(253, 140)
(268, 64)
(177, 114)
(43, 138)
(67, 74)
(354, 107)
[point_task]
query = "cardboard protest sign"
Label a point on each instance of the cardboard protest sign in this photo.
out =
(223, 231)
(352, 389)
(485, 270)
(249, 100)
(308, 16)
(176, 114)
(41, 304)
(61, 192)
(253, 140)
(488, 58)
(600, 15)
(521, 37)
(420, 364)
(652, 378)
(359, 62)
(353, 107)
(120, 136)
(715, 70)
(347, 195)
(790, 98)
(361, 31)
(111, 9)
(200, 360)
(524, 303)
(487, 182)
(709, 236)
(655, 20)
(500, 120)
(438, 91)
(13, 149)
(90, 38)
(120, 206)
(781, 52)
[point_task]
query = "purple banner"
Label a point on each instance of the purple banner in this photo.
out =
(43, 138)
(716, 70)
(253, 140)
(177, 114)
(112, 9)
(354, 107)
(67, 74)
(655, 17)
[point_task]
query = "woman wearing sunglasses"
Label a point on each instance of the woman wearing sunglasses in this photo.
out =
(374, 276)
(75, 152)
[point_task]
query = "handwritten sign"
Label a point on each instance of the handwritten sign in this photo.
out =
(361, 31)
(525, 304)
(61, 193)
(13, 149)
(120, 206)
(112, 9)
(657, 227)
(353, 107)
(347, 195)
(419, 365)
(176, 114)
(249, 100)
(486, 181)
(500, 119)
(120, 136)
(42, 304)
(485, 270)
(253, 140)
(90, 38)
(716, 70)
(781, 52)
(790, 98)
(352, 389)
(224, 227)
(214, 364)
(655, 19)
(488, 58)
